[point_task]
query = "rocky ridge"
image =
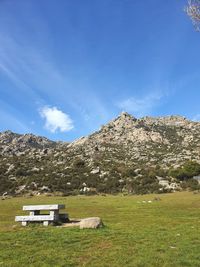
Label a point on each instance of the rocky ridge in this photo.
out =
(162, 140)
(15, 144)
(121, 153)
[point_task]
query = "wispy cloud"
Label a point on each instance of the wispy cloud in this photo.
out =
(35, 75)
(141, 106)
(40, 74)
(56, 120)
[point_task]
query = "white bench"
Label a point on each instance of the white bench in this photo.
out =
(36, 216)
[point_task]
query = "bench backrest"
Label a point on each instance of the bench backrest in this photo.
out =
(44, 207)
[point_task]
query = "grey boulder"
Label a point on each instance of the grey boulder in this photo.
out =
(93, 222)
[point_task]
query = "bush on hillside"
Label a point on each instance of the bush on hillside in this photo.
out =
(186, 171)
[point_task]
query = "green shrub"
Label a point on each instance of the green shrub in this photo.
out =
(186, 171)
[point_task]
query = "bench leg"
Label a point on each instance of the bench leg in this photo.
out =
(34, 212)
(24, 223)
(45, 223)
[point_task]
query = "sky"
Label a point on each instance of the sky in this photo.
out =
(67, 67)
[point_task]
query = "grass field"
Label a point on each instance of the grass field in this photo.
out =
(161, 233)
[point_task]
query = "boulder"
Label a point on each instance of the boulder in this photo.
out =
(93, 222)
(95, 171)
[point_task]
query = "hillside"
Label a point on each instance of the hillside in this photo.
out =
(126, 155)
(16, 144)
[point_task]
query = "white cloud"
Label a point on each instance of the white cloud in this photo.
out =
(56, 120)
(140, 106)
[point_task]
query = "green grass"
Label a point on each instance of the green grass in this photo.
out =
(162, 233)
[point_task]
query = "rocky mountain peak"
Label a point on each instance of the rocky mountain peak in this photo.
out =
(125, 117)
(124, 120)
(152, 130)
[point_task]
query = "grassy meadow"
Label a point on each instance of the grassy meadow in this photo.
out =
(161, 233)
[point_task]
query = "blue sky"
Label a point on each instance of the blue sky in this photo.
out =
(69, 66)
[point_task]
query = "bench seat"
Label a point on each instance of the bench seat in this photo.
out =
(63, 217)
(35, 218)
(44, 207)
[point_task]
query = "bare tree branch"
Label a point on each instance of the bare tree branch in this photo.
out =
(193, 11)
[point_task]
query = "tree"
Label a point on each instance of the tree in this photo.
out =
(193, 11)
(186, 171)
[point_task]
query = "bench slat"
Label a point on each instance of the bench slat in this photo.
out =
(44, 207)
(39, 218)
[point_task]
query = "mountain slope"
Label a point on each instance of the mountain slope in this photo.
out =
(12, 143)
(127, 154)
(163, 140)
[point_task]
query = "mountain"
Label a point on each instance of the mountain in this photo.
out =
(16, 144)
(126, 155)
(163, 140)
